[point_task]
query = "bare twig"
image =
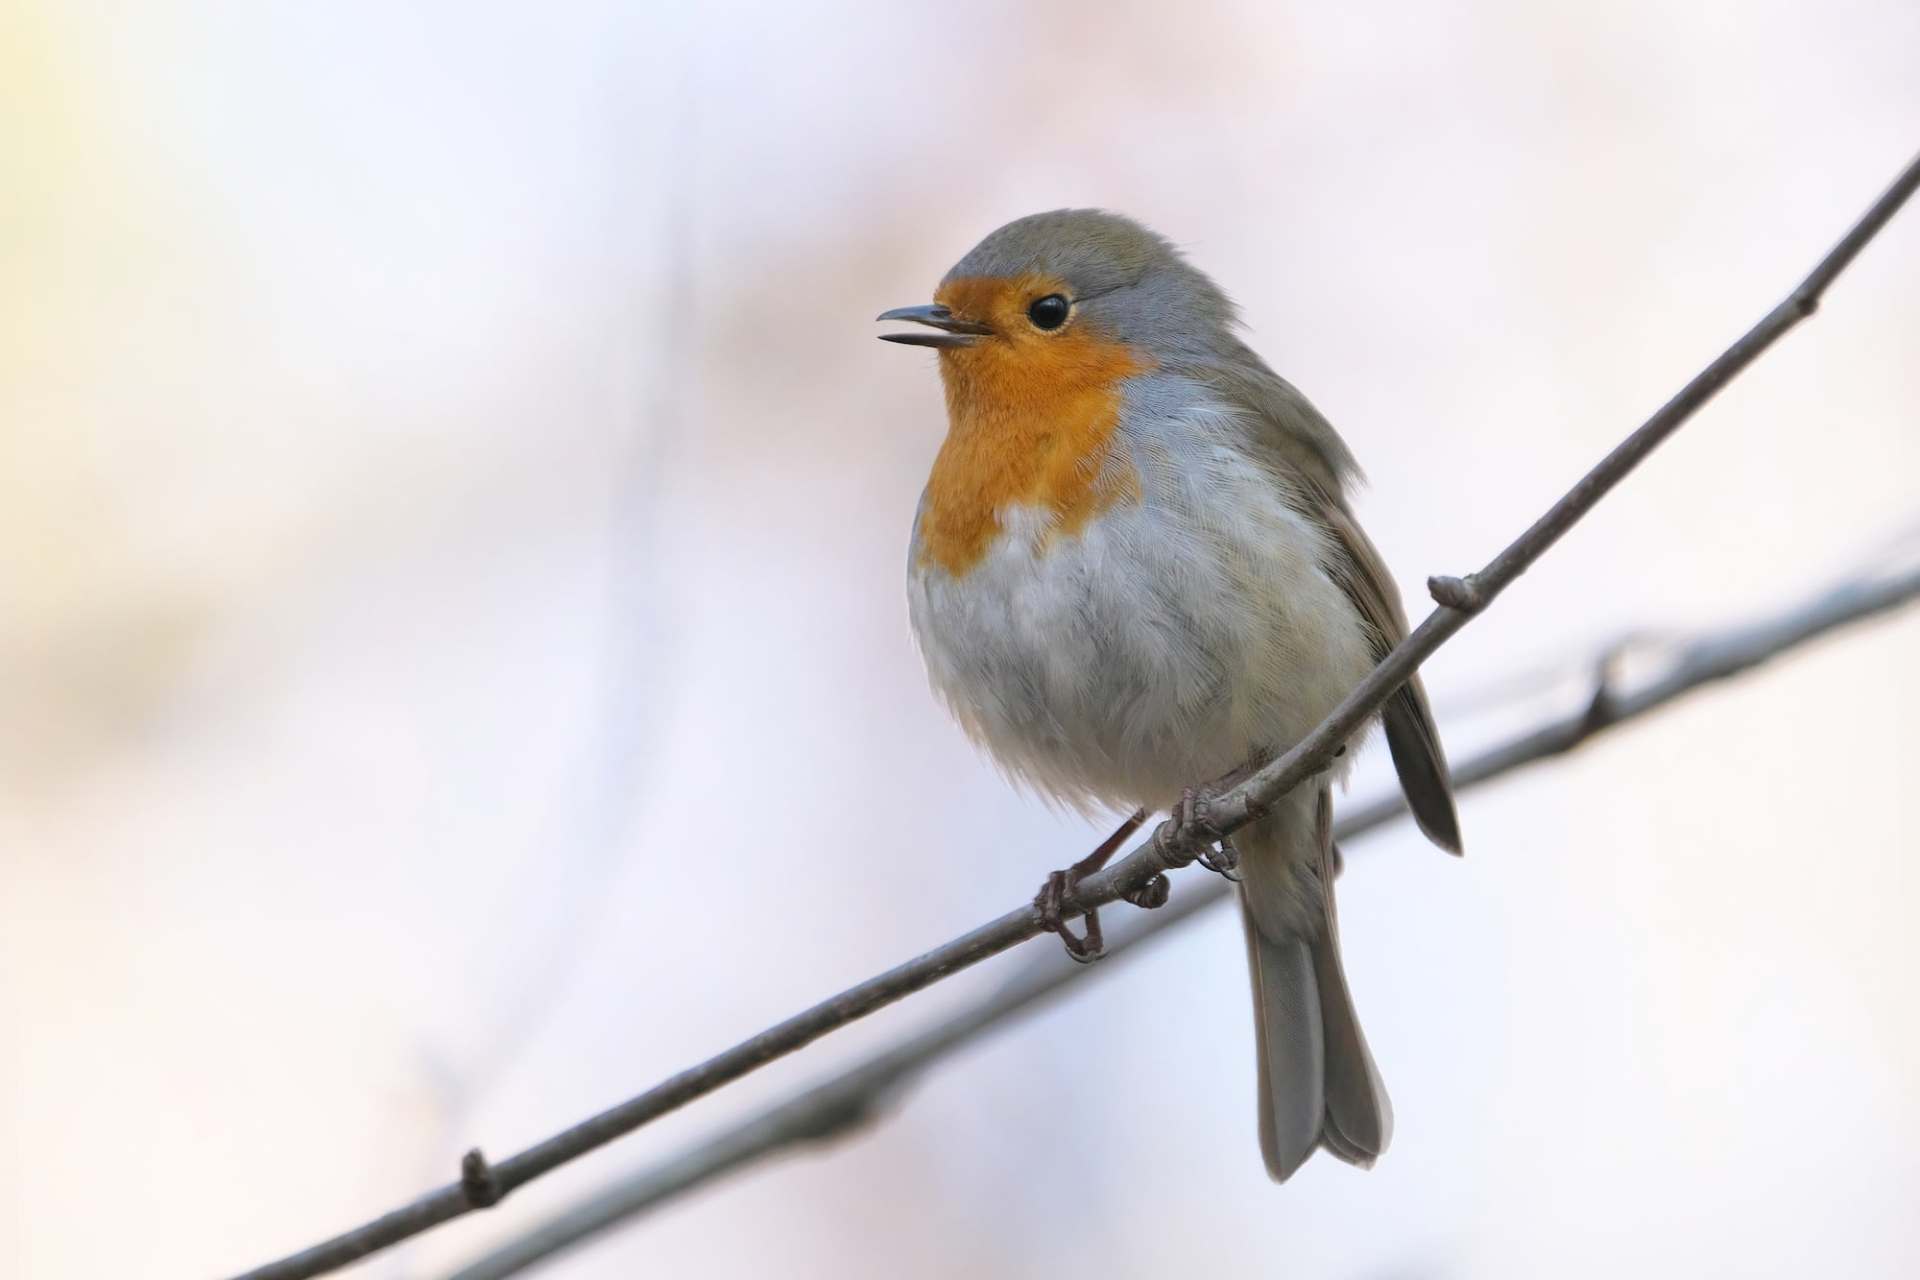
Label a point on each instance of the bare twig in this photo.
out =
(838, 1106)
(1169, 847)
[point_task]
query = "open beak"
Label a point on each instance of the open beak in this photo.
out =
(953, 331)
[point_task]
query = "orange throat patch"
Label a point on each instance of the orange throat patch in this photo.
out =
(1030, 421)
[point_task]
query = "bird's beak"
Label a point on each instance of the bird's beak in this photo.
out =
(954, 332)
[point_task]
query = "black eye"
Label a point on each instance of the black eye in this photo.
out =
(1049, 312)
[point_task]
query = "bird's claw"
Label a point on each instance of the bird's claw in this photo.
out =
(1191, 821)
(1152, 894)
(1222, 859)
(1051, 901)
(1088, 946)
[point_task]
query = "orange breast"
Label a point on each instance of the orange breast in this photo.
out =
(1030, 420)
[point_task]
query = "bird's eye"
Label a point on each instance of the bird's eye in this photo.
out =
(1049, 312)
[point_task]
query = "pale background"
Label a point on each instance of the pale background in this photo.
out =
(454, 670)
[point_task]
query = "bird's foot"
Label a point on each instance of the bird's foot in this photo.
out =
(1050, 902)
(1191, 821)
(1223, 860)
(1088, 946)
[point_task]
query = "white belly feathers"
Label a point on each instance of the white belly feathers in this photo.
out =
(1165, 642)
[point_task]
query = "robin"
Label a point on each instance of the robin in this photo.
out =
(1133, 570)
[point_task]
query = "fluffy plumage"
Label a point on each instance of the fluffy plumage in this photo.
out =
(1164, 582)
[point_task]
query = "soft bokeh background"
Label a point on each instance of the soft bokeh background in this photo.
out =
(454, 671)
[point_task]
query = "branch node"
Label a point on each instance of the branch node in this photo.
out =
(1459, 594)
(477, 1181)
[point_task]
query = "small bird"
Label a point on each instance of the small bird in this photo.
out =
(1134, 570)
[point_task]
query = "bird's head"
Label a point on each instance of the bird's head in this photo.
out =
(1040, 330)
(1065, 295)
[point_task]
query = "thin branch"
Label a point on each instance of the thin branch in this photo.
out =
(837, 1107)
(1169, 847)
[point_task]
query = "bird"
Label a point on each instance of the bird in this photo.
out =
(1134, 570)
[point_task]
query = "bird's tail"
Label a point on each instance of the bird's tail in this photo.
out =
(1317, 1082)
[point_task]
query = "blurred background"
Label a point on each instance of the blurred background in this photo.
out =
(454, 667)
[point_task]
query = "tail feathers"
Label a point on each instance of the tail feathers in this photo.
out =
(1359, 1121)
(1292, 1050)
(1317, 1082)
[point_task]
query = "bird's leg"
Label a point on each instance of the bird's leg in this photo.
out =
(1053, 894)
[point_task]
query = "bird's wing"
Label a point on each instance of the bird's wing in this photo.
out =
(1412, 737)
(1314, 465)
